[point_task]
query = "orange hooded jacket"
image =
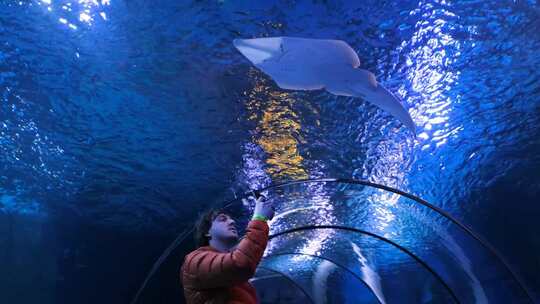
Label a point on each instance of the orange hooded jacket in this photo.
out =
(210, 276)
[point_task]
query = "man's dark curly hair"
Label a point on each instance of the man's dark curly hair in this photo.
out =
(203, 224)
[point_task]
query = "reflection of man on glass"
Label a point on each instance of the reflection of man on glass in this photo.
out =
(219, 270)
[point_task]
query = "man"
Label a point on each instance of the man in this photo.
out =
(219, 270)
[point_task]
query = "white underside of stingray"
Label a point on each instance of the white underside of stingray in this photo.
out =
(313, 64)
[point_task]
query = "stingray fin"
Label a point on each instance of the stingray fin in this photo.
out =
(258, 50)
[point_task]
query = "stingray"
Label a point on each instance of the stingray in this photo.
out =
(314, 64)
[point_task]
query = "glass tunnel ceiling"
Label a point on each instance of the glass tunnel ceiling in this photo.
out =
(373, 238)
(352, 241)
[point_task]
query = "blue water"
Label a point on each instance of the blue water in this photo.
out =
(121, 120)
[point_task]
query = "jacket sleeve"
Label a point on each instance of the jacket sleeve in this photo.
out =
(209, 269)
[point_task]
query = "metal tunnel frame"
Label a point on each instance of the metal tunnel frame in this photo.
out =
(182, 236)
(401, 248)
(288, 279)
(331, 261)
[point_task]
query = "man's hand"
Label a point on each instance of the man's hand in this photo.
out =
(263, 208)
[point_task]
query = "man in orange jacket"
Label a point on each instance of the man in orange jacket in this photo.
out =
(219, 270)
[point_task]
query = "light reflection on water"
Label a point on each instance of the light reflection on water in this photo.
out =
(277, 134)
(277, 131)
(86, 11)
(431, 74)
(369, 273)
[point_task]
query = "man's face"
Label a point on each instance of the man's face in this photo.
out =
(223, 228)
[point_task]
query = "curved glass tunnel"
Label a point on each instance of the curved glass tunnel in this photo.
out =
(277, 287)
(350, 241)
(353, 242)
(317, 279)
(372, 264)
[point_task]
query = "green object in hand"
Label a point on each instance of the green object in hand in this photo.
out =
(259, 217)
